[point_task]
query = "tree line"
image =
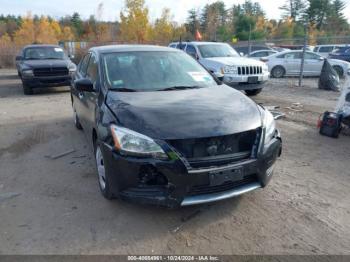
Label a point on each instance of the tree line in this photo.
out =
(215, 22)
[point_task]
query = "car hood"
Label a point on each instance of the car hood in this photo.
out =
(236, 61)
(194, 113)
(46, 63)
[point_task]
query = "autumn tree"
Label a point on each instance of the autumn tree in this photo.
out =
(163, 27)
(45, 32)
(134, 25)
(26, 33)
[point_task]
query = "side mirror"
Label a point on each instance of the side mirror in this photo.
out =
(84, 85)
(241, 54)
(18, 58)
(71, 56)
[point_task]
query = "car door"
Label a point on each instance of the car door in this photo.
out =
(88, 100)
(292, 62)
(77, 96)
(313, 64)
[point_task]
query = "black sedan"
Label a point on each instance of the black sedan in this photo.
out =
(164, 131)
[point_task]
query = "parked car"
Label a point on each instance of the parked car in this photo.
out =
(244, 50)
(43, 66)
(325, 50)
(165, 132)
(289, 63)
(222, 60)
(297, 47)
(257, 55)
(342, 53)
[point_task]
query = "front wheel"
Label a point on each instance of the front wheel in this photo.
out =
(27, 90)
(102, 174)
(76, 119)
(339, 70)
(253, 92)
(278, 72)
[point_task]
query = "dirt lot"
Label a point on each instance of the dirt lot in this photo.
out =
(54, 206)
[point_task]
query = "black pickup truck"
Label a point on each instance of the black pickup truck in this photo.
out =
(44, 66)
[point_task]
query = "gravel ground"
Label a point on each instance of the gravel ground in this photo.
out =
(54, 206)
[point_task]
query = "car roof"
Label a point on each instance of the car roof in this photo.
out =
(199, 43)
(130, 48)
(263, 50)
(40, 45)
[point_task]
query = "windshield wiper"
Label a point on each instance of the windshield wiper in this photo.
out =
(123, 89)
(178, 88)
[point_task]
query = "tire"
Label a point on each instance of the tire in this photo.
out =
(27, 90)
(102, 174)
(253, 92)
(278, 72)
(339, 70)
(76, 119)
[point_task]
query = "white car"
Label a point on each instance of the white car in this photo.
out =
(222, 60)
(257, 55)
(288, 63)
(324, 50)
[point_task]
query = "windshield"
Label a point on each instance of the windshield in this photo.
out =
(40, 53)
(217, 50)
(154, 71)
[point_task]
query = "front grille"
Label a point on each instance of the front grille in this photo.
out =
(51, 71)
(224, 145)
(229, 185)
(249, 70)
(216, 151)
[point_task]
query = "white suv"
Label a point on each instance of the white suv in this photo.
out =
(221, 59)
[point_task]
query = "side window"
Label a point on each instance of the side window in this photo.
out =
(191, 50)
(256, 54)
(83, 65)
(312, 56)
(325, 49)
(295, 55)
(92, 70)
(173, 46)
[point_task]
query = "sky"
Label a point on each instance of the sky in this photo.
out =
(112, 8)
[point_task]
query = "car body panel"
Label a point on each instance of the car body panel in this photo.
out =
(204, 112)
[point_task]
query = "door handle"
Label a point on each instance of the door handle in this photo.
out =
(80, 95)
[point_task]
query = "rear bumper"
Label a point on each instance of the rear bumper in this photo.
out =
(49, 81)
(186, 186)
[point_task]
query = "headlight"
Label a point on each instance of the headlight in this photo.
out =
(28, 72)
(265, 68)
(269, 126)
(72, 68)
(130, 142)
(229, 70)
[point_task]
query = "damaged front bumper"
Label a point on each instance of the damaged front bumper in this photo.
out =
(175, 184)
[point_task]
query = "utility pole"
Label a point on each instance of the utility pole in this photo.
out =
(303, 56)
(250, 36)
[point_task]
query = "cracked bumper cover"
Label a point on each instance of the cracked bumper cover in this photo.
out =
(126, 184)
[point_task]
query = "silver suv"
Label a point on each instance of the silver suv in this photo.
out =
(221, 59)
